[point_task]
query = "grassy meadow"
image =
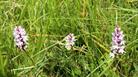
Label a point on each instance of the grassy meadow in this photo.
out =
(47, 22)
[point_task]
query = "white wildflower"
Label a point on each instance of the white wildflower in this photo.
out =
(118, 43)
(20, 37)
(69, 41)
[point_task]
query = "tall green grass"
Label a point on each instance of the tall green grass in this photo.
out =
(47, 22)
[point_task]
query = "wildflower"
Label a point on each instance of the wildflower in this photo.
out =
(20, 37)
(70, 41)
(118, 43)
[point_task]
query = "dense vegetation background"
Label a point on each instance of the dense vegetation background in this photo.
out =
(47, 22)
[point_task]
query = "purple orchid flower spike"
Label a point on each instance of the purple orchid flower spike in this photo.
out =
(118, 43)
(70, 41)
(20, 37)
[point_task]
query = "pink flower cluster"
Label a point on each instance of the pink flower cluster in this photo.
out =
(118, 43)
(70, 41)
(20, 37)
